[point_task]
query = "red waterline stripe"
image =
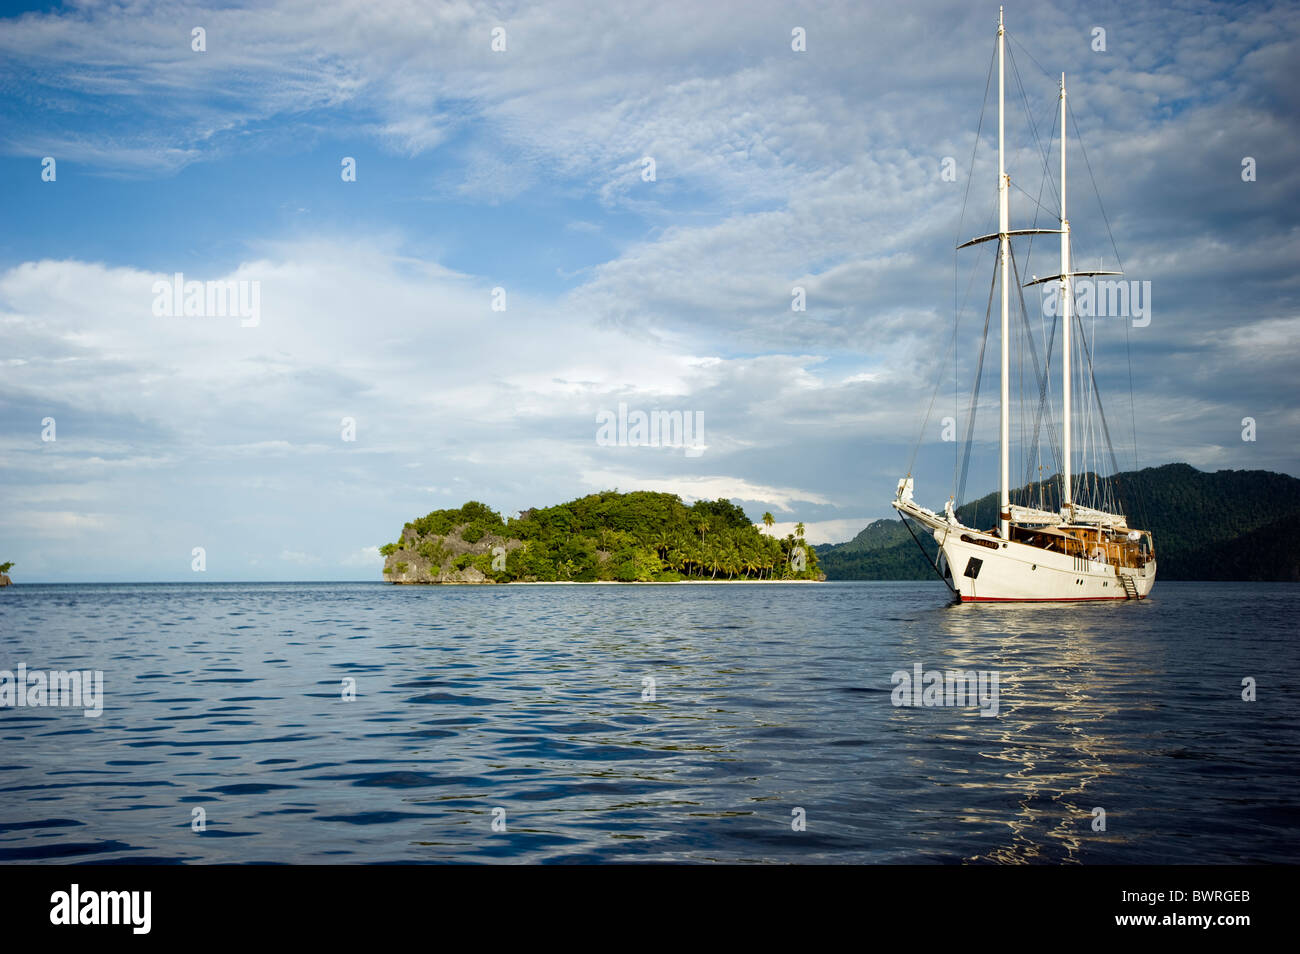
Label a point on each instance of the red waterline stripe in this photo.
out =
(1040, 599)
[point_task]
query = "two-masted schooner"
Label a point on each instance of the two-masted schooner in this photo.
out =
(1074, 553)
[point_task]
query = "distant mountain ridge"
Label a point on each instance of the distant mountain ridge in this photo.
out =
(1226, 525)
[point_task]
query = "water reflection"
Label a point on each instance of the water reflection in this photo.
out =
(1063, 670)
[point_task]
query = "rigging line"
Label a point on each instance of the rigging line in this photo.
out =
(1026, 449)
(1029, 254)
(1040, 377)
(1017, 42)
(1078, 136)
(1101, 412)
(975, 388)
(934, 564)
(1093, 445)
(952, 345)
(959, 303)
(970, 283)
(1103, 483)
(1019, 417)
(1095, 415)
(1044, 398)
(1087, 431)
(975, 149)
(956, 398)
(956, 321)
(1033, 126)
(1015, 160)
(1083, 408)
(1046, 158)
(1132, 407)
(1042, 409)
(1040, 206)
(1045, 178)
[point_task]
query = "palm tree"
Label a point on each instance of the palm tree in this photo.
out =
(662, 543)
(768, 520)
(715, 563)
(702, 526)
(798, 529)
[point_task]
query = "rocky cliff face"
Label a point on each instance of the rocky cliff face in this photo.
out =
(4, 580)
(447, 558)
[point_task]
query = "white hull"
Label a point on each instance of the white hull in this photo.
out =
(1015, 571)
(984, 568)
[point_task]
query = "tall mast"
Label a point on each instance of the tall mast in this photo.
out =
(1067, 303)
(1004, 244)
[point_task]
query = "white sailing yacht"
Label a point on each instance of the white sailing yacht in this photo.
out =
(1077, 552)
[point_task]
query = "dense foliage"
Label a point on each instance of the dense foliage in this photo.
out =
(640, 536)
(1229, 525)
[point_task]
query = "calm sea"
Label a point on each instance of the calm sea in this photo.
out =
(768, 733)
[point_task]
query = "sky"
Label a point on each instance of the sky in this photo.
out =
(505, 265)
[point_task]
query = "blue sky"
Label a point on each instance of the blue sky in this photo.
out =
(522, 170)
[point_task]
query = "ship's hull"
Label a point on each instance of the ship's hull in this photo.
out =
(986, 569)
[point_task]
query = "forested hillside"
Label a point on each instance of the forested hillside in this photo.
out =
(632, 537)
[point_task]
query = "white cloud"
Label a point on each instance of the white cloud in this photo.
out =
(839, 530)
(59, 524)
(299, 558)
(367, 557)
(703, 488)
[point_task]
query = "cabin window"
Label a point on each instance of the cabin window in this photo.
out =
(973, 567)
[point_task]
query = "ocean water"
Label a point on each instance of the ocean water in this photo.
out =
(771, 734)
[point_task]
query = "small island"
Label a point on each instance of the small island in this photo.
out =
(638, 537)
(4, 573)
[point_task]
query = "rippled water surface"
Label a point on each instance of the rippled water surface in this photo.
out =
(767, 699)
